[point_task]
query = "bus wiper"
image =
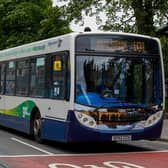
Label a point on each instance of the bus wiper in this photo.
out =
(106, 105)
(86, 49)
(119, 104)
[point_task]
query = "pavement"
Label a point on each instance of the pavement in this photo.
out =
(164, 135)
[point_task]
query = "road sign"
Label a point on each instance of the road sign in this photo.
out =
(124, 160)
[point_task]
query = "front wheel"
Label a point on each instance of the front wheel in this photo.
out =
(36, 125)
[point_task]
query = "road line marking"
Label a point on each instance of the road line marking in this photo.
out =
(34, 147)
(88, 154)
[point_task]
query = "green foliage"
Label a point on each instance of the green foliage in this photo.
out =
(53, 25)
(140, 16)
(24, 21)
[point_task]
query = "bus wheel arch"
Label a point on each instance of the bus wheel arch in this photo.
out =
(35, 125)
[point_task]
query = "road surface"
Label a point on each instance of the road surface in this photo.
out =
(19, 151)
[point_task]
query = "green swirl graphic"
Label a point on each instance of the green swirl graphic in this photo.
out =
(23, 110)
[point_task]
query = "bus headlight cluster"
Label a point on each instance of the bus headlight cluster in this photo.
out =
(86, 120)
(153, 119)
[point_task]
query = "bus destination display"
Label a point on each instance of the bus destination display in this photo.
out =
(120, 45)
(117, 44)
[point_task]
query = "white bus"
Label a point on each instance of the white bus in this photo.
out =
(84, 87)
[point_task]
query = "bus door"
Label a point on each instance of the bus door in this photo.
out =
(58, 81)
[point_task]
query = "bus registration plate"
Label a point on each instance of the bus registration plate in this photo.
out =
(121, 138)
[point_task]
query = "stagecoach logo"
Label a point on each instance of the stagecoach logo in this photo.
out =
(25, 112)
(112, 164)
(56, 42)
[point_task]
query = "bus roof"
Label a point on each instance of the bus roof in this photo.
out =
(54, 44)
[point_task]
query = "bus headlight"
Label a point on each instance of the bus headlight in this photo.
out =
(86, 120)
(153, 119)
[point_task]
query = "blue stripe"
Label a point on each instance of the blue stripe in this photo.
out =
(13, 122)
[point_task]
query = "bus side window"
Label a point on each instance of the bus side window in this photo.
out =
(2, 78)
(22, 77)
(10, 78)
(37, 77)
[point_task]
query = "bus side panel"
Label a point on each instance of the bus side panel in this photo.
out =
(16, 123)
(16, 112)
(2, 103)
(54, 130)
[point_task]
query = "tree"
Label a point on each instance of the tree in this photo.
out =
(163, 33)
(140, 16)
(54, 24)
(23, 21)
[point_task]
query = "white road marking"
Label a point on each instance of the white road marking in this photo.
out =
(31, 146)
(88, 154)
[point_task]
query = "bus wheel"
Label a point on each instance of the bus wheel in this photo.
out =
(37, 127)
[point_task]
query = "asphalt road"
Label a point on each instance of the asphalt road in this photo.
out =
(15, 143)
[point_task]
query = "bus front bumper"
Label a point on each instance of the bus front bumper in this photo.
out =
(80, 133)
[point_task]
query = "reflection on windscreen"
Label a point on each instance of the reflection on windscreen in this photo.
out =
(112, 81)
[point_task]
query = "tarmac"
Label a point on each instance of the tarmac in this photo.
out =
(164, 135)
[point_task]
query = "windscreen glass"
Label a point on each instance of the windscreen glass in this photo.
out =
(111, 81)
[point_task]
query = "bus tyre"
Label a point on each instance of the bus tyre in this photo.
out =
(37, 127)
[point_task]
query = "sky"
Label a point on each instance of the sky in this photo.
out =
(88, 22)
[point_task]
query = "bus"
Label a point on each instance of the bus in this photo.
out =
(84, 87)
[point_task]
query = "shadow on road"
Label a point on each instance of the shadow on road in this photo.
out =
(95, 147)
(82, 148)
